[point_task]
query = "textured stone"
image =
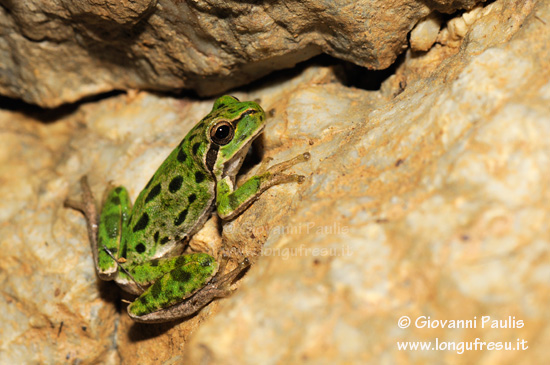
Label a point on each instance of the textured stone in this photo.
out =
(428, 197)
(69, 49)
(425, 33)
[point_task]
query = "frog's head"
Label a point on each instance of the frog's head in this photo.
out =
(232, 127)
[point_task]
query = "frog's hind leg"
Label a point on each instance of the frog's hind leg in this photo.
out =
(184, 290)
(174, 281)
(110, 248)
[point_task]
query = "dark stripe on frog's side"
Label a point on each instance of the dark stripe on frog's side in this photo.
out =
(191, 198)
(115, 200)
(211, 156)
(140, 248)
(164, 240)
(156, 236)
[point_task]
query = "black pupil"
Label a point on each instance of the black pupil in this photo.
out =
(222, 132)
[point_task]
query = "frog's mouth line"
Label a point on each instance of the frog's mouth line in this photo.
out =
(232, 167)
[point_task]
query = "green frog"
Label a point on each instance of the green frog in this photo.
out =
(142, 247)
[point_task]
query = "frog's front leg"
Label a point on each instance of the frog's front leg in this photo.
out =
(231, 202)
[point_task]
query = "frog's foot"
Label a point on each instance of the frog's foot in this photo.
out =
(276, 175)
(280, 167)
(224, 281)
(232, 202)
(88, 208)
(264, 165)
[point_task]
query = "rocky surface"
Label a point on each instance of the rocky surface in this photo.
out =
(60, 51)
(428, 197)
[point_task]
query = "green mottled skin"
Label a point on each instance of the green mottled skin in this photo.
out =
(186, 274)
(141, 247)
(114, 216)
(148, 238)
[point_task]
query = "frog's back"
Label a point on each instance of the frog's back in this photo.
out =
(174, 203)
(179, 198)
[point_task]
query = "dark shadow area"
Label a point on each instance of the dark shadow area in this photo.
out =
(180, 94)
(437, 6)
(109, 292)
(144, 331)
(365, 79)
(50, 115)
(347, 73)
(254, 155)
(282, 76)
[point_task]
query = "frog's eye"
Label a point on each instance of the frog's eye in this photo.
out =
(222, 133)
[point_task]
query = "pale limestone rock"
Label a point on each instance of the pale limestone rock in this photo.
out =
(69, 49)
(457, 28)
(427, 198)
(425, 33)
